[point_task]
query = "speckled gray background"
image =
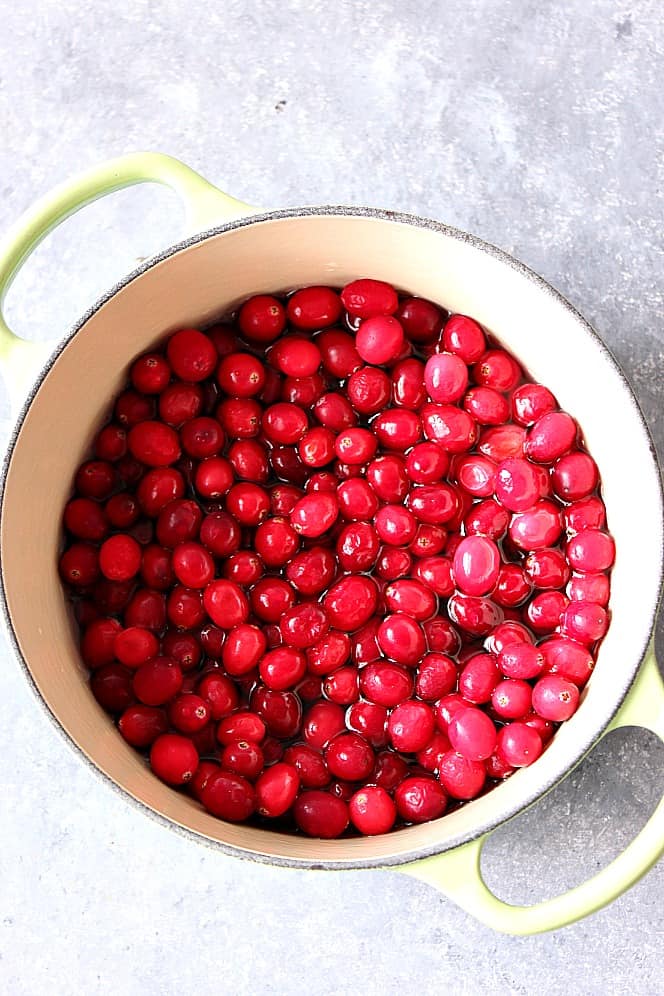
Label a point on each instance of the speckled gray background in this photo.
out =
(536, 124)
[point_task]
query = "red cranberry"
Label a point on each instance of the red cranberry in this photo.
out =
(420, 799)
(519, 745)
(189, 713)
(329, 654)
(410, 726)
(157, 681)
(146, 608)
(372, 811)
(435, 573)
(586, 622)
(140, 725)
(575, 476)
(79, 565)
(521, 660)
(98, 642)
(357, 547)
(174, 759)
(517, 484)
(365, 298)
(486, 405)
(154, 444)
(85, 519)
(316, 447)
(487, 518)
(479, 677)
(342, 686)
(386, 684)
(111, 686)
(396, 429)
(180, 402)
(512, 699)
(476, 565)
(568, 659)
(544, 611)
(314, 514)
(551, 436)
(339, 356)
(530, 402)
(351, 602)
(191, 355)
(589, 588)
(436, 676)
(445, 377)
(228, 796)
(178, 522)
(349, 756)
(453, 428)
(473, 614)
(111, 443)
(464, 337)
(461, 777)
(472, 733)
(319, 814)
(588, 513)
(497, 369)
(314, 308)
(536, 528)
(401, 639)
(591, 551)
(387, 476)
(555, 698)
(411, 597)
(421, 320)
(262, 318)
(275, 541)
(133, 646)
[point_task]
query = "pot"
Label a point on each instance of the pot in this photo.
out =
(242, 252)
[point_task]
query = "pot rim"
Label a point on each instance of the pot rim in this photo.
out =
(585, 745)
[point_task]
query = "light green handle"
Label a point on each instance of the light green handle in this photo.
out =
(457, 873)
(205, 205)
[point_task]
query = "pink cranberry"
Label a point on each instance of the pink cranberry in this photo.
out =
(536, 528)
(453, 428)
(476, 565)
(530, 402)
(519, 745)
(461, 777)
(586, 622)
(445, 377)
(589, 588)
(568, 659)
(555, 698)
(472, 733)
(591, 551)
(517, 484)
(588, 513)
(486, 405)
(464, 337)
(553, 435)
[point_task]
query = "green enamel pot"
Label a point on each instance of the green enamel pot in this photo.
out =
(236, 251)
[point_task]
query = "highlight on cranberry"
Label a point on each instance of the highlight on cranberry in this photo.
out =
(338, 565)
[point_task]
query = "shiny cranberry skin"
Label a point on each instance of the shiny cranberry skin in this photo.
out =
(220, 533)
(502, 442)
(228, 796)
(445, 377)
(389, 770)
(476, 474)
(133, 646)
(530, 402)
(517, 484)
(180, 402)
(369, 720)
(342, 686)
(539, 527)
(85, 519)
(589, 588)
(111, 443)
(173, 758)
(433, 503)
(319, 814)
(547, 569)
(339, 356)
(350, 757)
(249, 460)
(146, 608)
(132, 408)
(372, 810)
(243, 567)
(441, 635)
(98, 642)
(427, 463)
(275, 541)
(395, 525)
(436, 574)
(553, 435)
(518, 745)
(184, 648)
(512, 699)
(555, 698)
(568, 659)
(461, 777)
(410, 726)
(369, 390)
(248, 503)
(487, 518)
(411, 597)
(270, 598)
(521, 661)
(328, 654)
(575, 476)
(243, 757)
(276, 789)
(355, 445)
(192, 564)
(407, 386)
(436, 676)
(402, 639)
(357, 547)
(393, 562)
(225, 603)
(334, 412)
(314, 514)
(397, 429)
(497, 369)
(386, 684)
(178, 522)
(486, 405)
(591, 551)
(309, 764)
(351, 602)
(316, 447)
(311, 571)
(452, 427)
(95, 479)
(112, 687)
(79, 565)
(421, 320)
(314, 308)
(544, 611)
(365, 298)
(159, 487)
(478, 678)
(302, 391)
(474, 614)
(262, 318)
(420, 799)
(140, 725)
(472, 733)
(240, 417)
(157, 681)
(295, 356)
(189, 713)
(513, 586)
(464, 337)
(476, 565)
(154, 444)
(387, 476)
(191, 355)
(241, 726)
(280, 711)
(322, 723)
(357, 500)
(588, 513)
(586, 622)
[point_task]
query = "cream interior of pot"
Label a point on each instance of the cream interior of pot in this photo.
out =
(194, 286)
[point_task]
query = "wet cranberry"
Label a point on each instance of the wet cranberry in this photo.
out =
(98, 642)
(550, 437)
(519, 745)
(530, 402)
(365, 298)
(419, 799)
(453, 428)
(140, 725)
(276, 542)
(512, 698)
(591, 551)
(262, 318)
(111, 685)
(314, 514)
(387, 476)
(461, 777)
(228, 796)
(319, 814)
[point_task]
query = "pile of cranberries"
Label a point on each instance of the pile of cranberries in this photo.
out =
(336, 562)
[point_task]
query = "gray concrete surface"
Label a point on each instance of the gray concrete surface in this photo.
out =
(536, 124)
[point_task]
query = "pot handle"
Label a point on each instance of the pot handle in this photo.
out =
(458, 875)
(205, 205)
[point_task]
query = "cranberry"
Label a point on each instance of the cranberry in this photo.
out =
(357, 547)
(478, 678)
(154, 444)
(302, 391)
(472, 733)
(372, 810)
(435, 573)
(544, 611)
(228, 796)
(316, 447)
(240, 417)
(486, 405)
(111, 443)
(397, 429)
(433, 503)
(220, 533)
(461, 777)
(512, 699)
(319, 814)
(567, 658)
(517, 484)
(474, 614)
(445, 377)
(350, 602)
(394, 562)
(521, 660)
(191, 355)
(314, 514)
(140, 725)
(551, 436)
(519, 745)
(275, 541)
(411, 597)
(85, 519)
(487, 518)
(387, 476)
(270, 598)
(342, 686)
(241, 726)
(189, 713)
(476, 565)
(98, 642)
(410, 726)
(133, 646)
(497, 369)
(329, 654)
(436, 676)
(441, 635)
(262, 318)
(282, 668)
(365, 298)
(386, 684)
(589, 588)
(390, 769)
(402, 639)
(111, 686)
(536, 528)
(453, 428)
(586, 622)
(79, 565)
(421, 320)
(146, 608)
(243, 567)
(591, 551)
(178, 522)
(180, 402)
(513, 586)
(192, 564)
(339, 356)
(225, 603)
(420, 799)
(314, 308)
(588, 513)
(174, 759)
(157, 681)
(464, 337)
(530, 402)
